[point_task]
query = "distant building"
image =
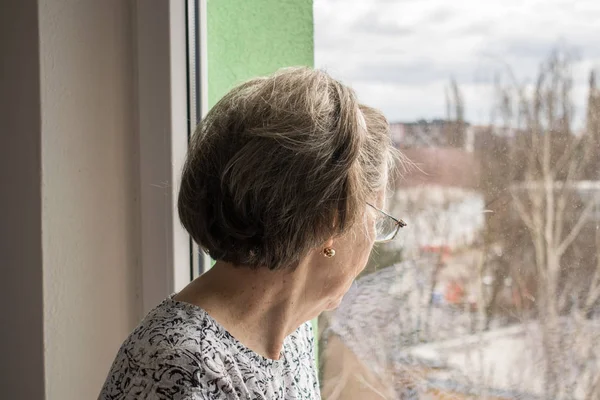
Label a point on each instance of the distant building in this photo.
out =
(433, 133)
(441, 166)
(583, 192)
(439, 199)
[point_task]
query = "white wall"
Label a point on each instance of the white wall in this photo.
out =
(70, 209)
(90, 212)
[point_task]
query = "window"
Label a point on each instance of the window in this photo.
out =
(197, 97)
(172, 96)
(493, 289)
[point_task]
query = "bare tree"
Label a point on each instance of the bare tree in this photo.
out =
(547, 198)
(540, 178)
(455, 111)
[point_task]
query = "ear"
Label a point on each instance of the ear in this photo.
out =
(328, 243)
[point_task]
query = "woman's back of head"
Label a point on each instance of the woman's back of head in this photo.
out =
(279, 165)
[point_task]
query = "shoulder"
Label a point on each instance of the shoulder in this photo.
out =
(177, 350)
(177, 331)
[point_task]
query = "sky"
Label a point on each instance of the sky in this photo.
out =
(399, 55)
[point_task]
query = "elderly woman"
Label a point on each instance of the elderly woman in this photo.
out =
(283, 186)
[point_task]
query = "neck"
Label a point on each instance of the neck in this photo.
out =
(258, 307)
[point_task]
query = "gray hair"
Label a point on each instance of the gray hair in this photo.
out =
(279, 165)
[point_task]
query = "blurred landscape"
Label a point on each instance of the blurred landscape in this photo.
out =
(493, 289)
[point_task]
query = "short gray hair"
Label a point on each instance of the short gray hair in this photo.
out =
(279, 165)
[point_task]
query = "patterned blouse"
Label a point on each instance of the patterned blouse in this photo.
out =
(179, 352)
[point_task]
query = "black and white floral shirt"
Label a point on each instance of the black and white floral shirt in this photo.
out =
(179, 352)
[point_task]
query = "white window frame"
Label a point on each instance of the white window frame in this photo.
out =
(198, 99)
(167, 262)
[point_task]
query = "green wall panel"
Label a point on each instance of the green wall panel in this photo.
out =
(247, 38)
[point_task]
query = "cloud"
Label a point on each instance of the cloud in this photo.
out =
(479, 28)
(414, 72)
(440, 15)
(399, 55)
(373, 24)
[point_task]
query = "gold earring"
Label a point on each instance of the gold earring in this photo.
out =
(328, 252)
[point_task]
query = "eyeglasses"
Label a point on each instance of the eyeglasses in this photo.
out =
(386, 227)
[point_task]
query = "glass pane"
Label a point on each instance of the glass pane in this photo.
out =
(493, 289)
(200, 262)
